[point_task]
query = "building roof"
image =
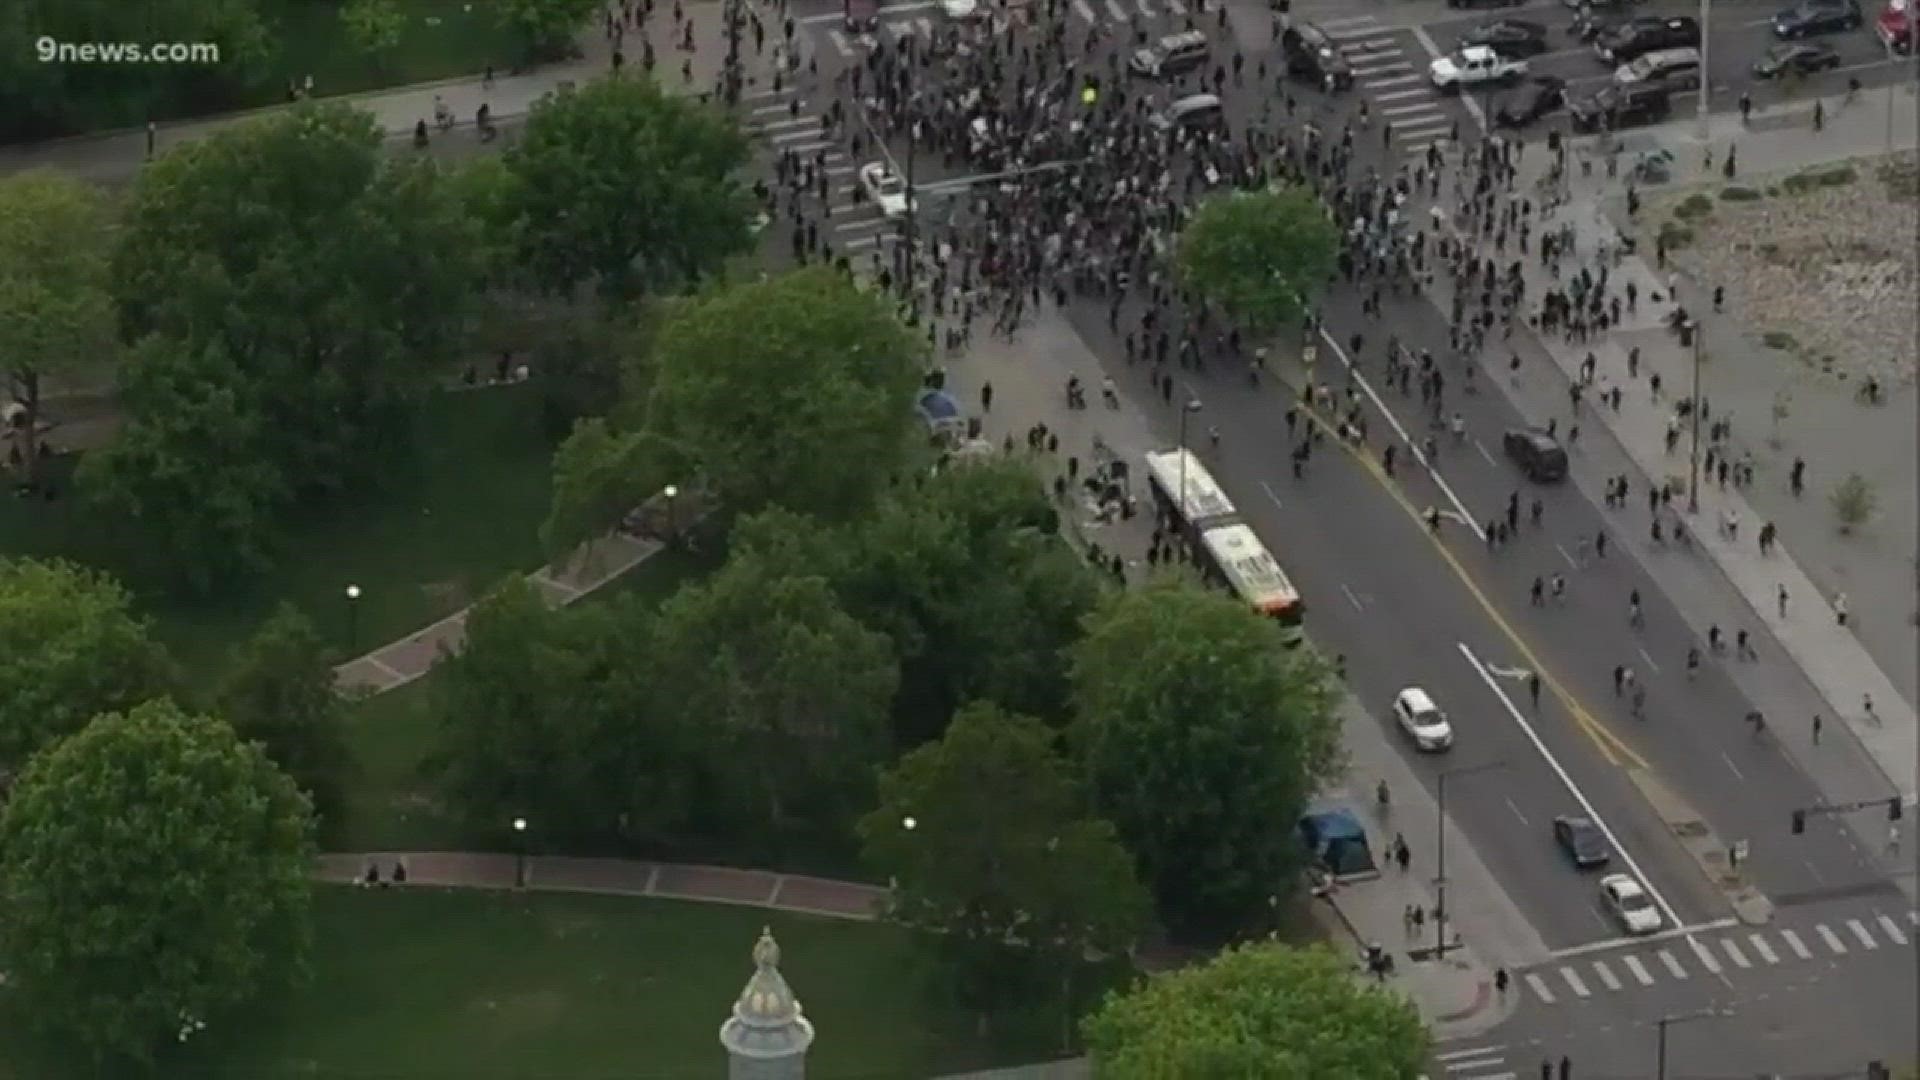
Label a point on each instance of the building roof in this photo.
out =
(766, 1020)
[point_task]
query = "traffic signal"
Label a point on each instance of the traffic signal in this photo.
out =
(1893, 808)
(1799, 822)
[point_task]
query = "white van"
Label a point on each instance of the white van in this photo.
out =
(1676, 69)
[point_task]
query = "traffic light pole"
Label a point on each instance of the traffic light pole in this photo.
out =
(1895, 804)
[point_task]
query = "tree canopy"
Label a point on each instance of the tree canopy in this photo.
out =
(546, 27)
(1000, 863)
(1260, 256)
(1265, 1010)
(280, 691)
(56, 314)
(153, 875)
(70, 649)
(622, 185)
(1201, 738)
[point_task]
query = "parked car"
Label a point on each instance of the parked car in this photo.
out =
(1810, 17)
(1676, 69)
(1627, 900)
(1531, 102)
(1614, 107)
(1639, 36)
(1514, 38)
(1475, 65)
(1539, 455)
(1582, 840)
(1801, 58)
(1311, 55)
(1422, 720)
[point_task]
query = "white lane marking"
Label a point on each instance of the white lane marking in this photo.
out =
(1473, 106)
(1396, 80)
(1351, 598)
(840, 43)
(1275, 496)
(1573, 980)
(1892, 928)
(1413, 129)
(1334, 27)
(1516, 813)
(1601, 969)
(1674, 967)
(1418, 108)
(1731, 767)
(1482, 447)
(1176, 7)
(1564, 555)
(1419, 147)
(1483, 1059)
(1799, 947)
(1765, 950)
(1705, 956)
(1456, 1055)
(1114, 9)
(1084, 10)
(892, 9)
(1387, 42)
(1378, 69)
(1641, 941)
(1446, 489)
(1655, 667)
(1539, 986)
(1146, 9)
(859, 243)
(1734, 954)
(1640, 972)
(766, 110)
(1660, 901)
(1860, 931)
(1395, 95)
(1832, 939)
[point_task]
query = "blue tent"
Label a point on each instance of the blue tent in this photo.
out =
(1338, 842)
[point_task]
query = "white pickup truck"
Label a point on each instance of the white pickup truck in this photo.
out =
(1475, 65)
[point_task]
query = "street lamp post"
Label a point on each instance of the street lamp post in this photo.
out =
(1706, 82)
(1192, 406)
(672, 493)
(353, 617)
(1693, 463)
(1660, 1059)
(519, 853)
(1440, 849)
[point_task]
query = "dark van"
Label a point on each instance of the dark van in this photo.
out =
(1312, 56)
(1539, 455)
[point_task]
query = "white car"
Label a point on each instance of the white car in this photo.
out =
(885, 188)
(1629, 903)
(1422, 720)
(1475, 65)
(962, 10)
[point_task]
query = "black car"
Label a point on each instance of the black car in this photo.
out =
(1515, 39)
(1538, 454)
(1311, 55)
(1589, 25)
(1582, 840)
(1531, 102)
(1809, 17)
(1614, 107)
(1801, 58)
(1637, 37)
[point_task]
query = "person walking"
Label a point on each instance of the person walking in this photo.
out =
(1817, 725)
(1840, 608)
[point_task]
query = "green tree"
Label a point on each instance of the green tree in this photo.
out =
(374, 26)
(1854, 502)
(56, 315)
(70, 649)
(546, 27)
(1201, 739)
(790, 691)
(334, 280)
(153, 870)
(192, 464)
(622, 185)
(1259, 255)
(280, 691)
(1263, 1010)
(993, 858)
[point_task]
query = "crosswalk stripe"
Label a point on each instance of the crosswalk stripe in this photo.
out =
(1456, 1055)
(924, 25)
(1146, 9)
(1706, 957)
(1860, 932)
(1573, 981)
(1395, 95)
(1674, 967)
(1417, 148)
(840, 42)
(1392, 80)
(1332, 26)
(1114, 9)
(1765, 950)
(1733, 953)
(1417, 107)
(1176, 7)
(1485, 1060)
(1606, 975)
(1423, 126)
(1832, 939)
(1539, 986)
(1639, 970)
(1084, 10)
(1892, 928)
(1381, 69)
(900, 31)
(1799, 947)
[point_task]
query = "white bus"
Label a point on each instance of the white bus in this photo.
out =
(1234, 556)
(1183, 487)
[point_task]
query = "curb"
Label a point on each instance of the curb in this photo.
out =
(1482, 997)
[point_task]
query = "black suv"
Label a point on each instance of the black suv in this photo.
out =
(1614, 107)
(1515, 39)
(1311, 55)
(1538, 454)
(1644, 34)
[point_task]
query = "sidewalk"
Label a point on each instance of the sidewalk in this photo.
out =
(114, 155)
(1456, 995)
(613, 877)
(1880, 758)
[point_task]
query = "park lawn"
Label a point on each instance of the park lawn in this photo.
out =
(430, 983)
(391, 804)
(442, 39)
(452, 519)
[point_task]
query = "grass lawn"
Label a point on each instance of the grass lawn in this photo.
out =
(465, 510)
(390, 804)
(443, 39)
(418, 984)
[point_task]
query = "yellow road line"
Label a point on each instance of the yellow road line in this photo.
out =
(1611, 746)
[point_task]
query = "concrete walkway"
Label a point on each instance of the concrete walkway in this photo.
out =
(613, 877)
